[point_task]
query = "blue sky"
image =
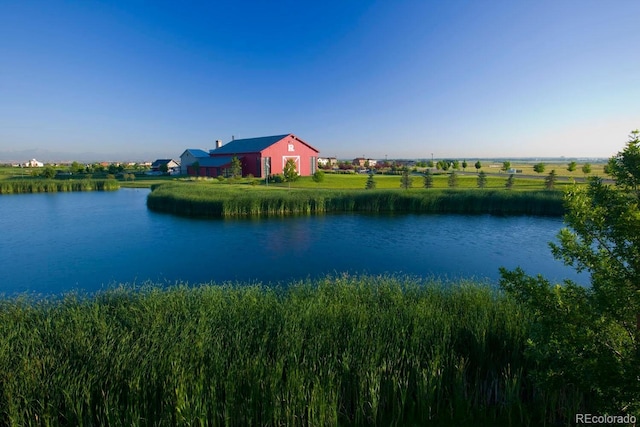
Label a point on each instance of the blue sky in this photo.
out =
(484, 78)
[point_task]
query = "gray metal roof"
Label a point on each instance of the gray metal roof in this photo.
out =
(248, 145)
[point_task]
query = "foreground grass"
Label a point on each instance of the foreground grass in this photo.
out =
(342, 350)
(213, 200)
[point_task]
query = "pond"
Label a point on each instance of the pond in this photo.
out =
(54, 243)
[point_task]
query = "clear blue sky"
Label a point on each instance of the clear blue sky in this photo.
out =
(482, 78)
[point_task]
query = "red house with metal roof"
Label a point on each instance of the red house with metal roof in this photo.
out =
(259, 157)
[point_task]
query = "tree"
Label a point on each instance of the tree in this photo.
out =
(164, 168)
(428, 179)
(452, 181)
(318, 176)
(429, 163)
(586, 168)
(196, 167)
(571, 166)
(539, 167)
(370, 184)
(482, 179)
(289, 172)
(455, 164)
(406, 181)
(589, 337)
(464, 165)
(550, 180)
(236, 168)
(506, 166)
(48, 172)
(478, 165)
(77, 167)
(510, 182)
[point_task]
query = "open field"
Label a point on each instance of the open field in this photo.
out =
(340, 351)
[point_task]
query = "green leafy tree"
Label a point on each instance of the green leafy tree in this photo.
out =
(371, 183)
(429, 163)
(586, 340)
(510, 181)
(572, 166)
(428, 179)
(482, 179)
(77, 167)
(464, 165)
(196, 167)
(478, 165)
(452, 181)
(550, 180)
(586, 168)
(539, 167)
(506, 166)
(318, 176)
(406, 181)
(164, 168)
(48, 172)
(455, 165)
(289, 172)
(236, 168)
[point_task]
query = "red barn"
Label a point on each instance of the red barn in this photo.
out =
(259, 157)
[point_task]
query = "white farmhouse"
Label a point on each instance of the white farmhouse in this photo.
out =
(33, 163)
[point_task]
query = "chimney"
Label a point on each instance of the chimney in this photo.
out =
(218, 143)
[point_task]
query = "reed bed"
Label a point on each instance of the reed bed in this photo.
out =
(54, 186)
(203, 200)
(342, 350)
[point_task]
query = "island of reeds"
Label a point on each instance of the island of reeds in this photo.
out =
(55, 185)
(342, 350)
(210, 200)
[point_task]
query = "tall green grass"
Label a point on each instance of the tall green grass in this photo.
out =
(342, 350)
(53, 186)
(215, 201)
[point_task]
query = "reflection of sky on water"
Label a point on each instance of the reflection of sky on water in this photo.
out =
(89, 240)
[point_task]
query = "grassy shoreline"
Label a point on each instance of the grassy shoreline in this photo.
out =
(341, 350)
(54, 186)
(211, 200)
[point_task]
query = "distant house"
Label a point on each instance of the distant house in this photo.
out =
(259, 157)
(327, 161)
(173, 167)
(33, 163)
(189, 157)
(363, 162)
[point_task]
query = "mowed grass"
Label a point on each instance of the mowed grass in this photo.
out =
(338, 351)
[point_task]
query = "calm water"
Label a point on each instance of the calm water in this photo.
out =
(53, 243)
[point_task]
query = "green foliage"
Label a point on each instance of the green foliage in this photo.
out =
(586, 168)
(452, 181)
(506, 166)
(478, 165)
(406, 181)
(48, 172)
(236, 168)
(510, 181)
(198, 199)
(428, 179)
(590, 336)
(77, 168)
(196, 168)
(550, 180)
(290, 173)
(430, 164)
(539, 167)
(338, 351)
(571, 166)
(464, 164)
(54, 186)
(164, 168)
(318, 176)
(371, 183)
(482, 179)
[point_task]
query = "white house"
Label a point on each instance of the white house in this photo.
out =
(33, 163)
